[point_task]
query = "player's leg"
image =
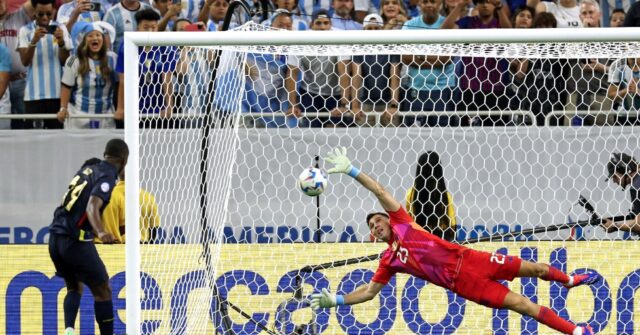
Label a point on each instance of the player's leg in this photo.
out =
(58, 246)
(71, 304)
(544, 315)
(549, 273)
(91, 271)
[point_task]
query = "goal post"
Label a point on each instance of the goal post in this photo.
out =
(238, 247)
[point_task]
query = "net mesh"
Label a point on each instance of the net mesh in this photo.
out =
(226, 131)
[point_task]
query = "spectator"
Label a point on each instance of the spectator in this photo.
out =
(122, 18)
(169, 13)
(81, 10)
(192, 75)
(109, 34)
(10, 24)
(632, 19)
(43, 46)
(213, 13)
(624, 76)
(590, 90)
(544, 79)
(429, 81)
(343, 16)
(324, 81)
(617, 18)
(523, 18)
(5, 74)
(482, 82)
(377, 80)
(566, 12)
(393, 13)
(156, 67)
(608, 7)
(91, 78)
(297, 22)
(308, 7)
(590, 13)
(264, 86)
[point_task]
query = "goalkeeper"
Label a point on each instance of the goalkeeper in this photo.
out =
(471, 274)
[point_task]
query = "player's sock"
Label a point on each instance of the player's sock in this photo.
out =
(556, 275)
(104, 316)
(551, 319)
(71, 306)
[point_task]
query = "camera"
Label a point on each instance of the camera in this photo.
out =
(51, 29)
(94, 7)
(194, 27)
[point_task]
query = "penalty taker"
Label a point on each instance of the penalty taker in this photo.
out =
(471, 274)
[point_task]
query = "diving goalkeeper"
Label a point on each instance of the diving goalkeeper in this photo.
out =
(471, 274)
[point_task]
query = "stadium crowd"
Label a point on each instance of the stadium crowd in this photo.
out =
(66, 58)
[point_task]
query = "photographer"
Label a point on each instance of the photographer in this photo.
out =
(623, 170)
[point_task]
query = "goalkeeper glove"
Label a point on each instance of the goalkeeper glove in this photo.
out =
(325, 300)
(339, 158)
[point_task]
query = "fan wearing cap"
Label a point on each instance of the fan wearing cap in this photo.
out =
(90, 76)
(622, 169)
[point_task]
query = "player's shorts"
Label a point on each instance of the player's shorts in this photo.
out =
(478, 275)
(77, 261)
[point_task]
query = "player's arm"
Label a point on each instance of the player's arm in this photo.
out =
(93, 214)
(362, 294)
(343, 165)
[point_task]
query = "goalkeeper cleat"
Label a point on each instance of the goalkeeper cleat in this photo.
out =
(583, 279)
(69, 331)
(587, 330)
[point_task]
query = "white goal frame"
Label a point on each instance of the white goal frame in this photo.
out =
(133, 40)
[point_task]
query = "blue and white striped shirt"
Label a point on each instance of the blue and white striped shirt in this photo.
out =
(308, 6)
(93, 92)
(44, 73)
(123, 20)
(191, 9)
(65, 11)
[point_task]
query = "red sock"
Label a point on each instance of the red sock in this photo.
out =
(551, 319)
(556, 275)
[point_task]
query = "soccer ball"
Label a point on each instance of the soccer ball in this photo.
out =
(312, 181)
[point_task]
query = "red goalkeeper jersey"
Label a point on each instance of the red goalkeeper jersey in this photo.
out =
(414, 251)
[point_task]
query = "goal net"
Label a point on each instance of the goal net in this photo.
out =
(505, 146)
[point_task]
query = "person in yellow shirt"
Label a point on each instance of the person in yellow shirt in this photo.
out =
(113, 214)
(428, 201)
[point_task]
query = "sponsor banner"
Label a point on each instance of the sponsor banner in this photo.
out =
(260, 279)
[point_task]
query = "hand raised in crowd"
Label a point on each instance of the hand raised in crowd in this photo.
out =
(59, 35)
(82, 6)
(119, 114)
(174, 10)
(294, 111)
(165, 113)
(62, 114)
(632, 87)
(38, 34)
